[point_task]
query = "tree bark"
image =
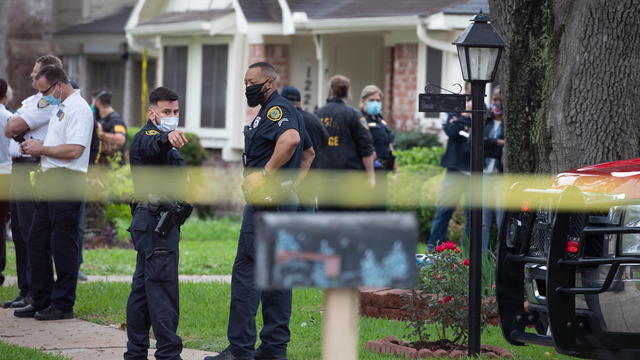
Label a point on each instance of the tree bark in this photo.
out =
(570, 80)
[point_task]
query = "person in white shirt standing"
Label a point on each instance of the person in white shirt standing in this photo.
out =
(30, 121)
(62, 185)
(5, 174)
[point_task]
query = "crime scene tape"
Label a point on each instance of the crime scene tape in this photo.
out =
(348, 189)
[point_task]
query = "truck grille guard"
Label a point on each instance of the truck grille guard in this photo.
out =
(540, 236)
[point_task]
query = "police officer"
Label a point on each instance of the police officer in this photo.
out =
(5, 174)
(64, 162)
(30, 121)
(350, 146)
(272, 144)
(371, 107)
(111, 130)
(318, 136)
(153, 302)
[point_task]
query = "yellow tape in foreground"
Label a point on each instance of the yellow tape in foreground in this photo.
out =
(349, 189)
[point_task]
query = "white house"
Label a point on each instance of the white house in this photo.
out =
(202, 48)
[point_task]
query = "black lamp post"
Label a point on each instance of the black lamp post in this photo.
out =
(479, 50)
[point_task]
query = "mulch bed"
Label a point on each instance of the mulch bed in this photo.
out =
(417, 350)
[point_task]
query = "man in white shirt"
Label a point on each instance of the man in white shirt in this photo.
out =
(30, 121)
(64, 161)
(5, 174)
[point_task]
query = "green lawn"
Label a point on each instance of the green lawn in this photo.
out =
(207, 247)
(205, 311)
(20, 353)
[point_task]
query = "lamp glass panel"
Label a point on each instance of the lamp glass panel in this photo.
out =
(462, 57)
(482, 61)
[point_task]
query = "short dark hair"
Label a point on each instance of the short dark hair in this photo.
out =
(162, 94)
(4, 87)
(45, 60)
(339, 86)
(104, 95)
(53, 74)
(266, 68)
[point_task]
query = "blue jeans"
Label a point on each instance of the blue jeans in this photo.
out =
(492, 200)
(454, 186)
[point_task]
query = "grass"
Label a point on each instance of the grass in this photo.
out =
(207, 247)
(13, 352)
(205, 311)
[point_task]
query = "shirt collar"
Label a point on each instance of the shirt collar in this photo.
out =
(2, 107)
(70, 97)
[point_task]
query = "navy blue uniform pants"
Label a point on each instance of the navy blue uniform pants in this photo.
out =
(53, 239)
(245, 298)
(154, 299)
(54, 234)
(22, 214)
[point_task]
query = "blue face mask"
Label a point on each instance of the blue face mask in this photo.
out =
(93, 109)
(374, 107)
(52, 100)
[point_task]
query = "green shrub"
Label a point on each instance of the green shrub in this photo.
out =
(407, 139)
(419, 156)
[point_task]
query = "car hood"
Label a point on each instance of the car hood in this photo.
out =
(617, 177)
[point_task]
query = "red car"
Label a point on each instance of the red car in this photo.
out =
(568, 271)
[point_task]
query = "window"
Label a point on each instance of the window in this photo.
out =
(214, 86)
(434, 73)
(174, 68)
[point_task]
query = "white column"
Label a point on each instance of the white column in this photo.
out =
(129, 96)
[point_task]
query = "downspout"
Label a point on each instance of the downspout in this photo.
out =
(423, 35)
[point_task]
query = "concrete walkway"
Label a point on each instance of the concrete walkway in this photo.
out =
(76, 339)
(11, 280)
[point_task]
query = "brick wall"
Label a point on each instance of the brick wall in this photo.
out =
(277, 55)
(401, 84)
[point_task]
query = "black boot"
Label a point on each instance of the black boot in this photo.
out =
(227, 355)
(52, 313)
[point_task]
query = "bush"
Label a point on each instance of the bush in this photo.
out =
(419, 156)
(407, 139)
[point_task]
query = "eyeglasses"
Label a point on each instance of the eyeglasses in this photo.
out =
(50, 87)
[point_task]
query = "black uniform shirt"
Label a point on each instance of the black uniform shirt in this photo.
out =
(317, 133)
(151, 147)
(381, 134)
(111, 124)
(349, 136)
(276, 116)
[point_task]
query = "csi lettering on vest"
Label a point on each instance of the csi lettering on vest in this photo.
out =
(333, 141)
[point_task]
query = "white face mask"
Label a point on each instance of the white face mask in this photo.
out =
(167, 124)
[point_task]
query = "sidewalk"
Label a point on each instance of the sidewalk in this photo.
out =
(11, 280)
(76, 339)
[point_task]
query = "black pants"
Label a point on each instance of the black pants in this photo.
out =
(4, 216)
(154, 299)
(54, 234)
(245, 298)
(22, 214)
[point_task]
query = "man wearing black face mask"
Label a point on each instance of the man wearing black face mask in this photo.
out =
(274, 141)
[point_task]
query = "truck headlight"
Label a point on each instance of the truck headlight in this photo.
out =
(630, 243)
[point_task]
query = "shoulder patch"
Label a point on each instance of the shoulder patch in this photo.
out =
(119, 129)
(363, 122)
(274, 113)
(372, 124)
(152, 132)
(42, 103)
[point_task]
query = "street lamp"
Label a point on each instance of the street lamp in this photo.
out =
(479, 50)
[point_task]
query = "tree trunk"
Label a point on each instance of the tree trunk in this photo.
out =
(570, 81)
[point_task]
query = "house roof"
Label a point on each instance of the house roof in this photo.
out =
(328, 9)
(112, 24)
(184, 16)
(468, 7)
(261, 11)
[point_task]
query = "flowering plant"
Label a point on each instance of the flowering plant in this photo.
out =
(441, 297)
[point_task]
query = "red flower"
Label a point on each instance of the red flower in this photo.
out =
(466, 262)
(440, 248)
(447, 299)
(456, 250)
(449, 245)
(439, 277)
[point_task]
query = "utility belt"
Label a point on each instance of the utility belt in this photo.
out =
(26, 160)
(169, 213)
